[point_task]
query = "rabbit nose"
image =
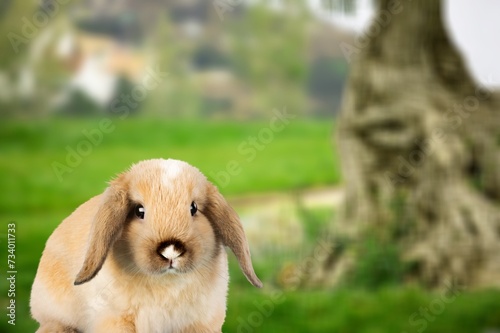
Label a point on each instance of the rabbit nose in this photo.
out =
(171, 249)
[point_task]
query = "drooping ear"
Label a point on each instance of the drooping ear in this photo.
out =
(106, 228)
(228, 227)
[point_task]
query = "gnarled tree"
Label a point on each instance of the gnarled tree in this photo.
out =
(420, 155)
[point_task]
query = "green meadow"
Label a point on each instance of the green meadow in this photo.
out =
(46, 171)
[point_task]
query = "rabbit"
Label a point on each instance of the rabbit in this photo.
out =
(147, 255)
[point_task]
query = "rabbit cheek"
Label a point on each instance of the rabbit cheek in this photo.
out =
(204, 242)
(129, 252)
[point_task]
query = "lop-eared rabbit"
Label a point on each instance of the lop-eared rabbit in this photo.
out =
(145, 256)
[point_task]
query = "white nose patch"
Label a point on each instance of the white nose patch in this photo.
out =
(170, 253)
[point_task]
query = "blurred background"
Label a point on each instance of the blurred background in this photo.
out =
(258, 95)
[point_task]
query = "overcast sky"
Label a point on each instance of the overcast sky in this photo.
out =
(473, 25)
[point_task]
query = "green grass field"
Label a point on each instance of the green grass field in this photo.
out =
(300, 156)
(302, 149)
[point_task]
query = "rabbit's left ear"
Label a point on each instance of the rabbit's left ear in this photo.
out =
(106, 228)
(228, 227)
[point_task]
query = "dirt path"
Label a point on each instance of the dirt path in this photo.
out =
(272, 220)
(310, 198)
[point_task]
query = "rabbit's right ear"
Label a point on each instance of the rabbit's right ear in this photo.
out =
(228, 227)
(106, 229)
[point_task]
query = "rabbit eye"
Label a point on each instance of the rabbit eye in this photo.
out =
(194, 208)
(139, 211)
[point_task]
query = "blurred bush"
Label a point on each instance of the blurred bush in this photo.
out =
(239, 64)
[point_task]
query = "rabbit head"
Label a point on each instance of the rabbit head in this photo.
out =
(163, 217)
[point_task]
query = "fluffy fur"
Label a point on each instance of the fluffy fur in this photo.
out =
(102, 269)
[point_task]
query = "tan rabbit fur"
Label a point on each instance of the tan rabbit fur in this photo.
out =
(145, 256)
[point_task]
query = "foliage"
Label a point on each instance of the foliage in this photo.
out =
(378, 264)
(261, 68)
(11, 26)
(316, 221)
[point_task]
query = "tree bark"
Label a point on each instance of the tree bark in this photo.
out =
(419, 151)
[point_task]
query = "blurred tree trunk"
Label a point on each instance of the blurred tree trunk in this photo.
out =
(420, 157)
